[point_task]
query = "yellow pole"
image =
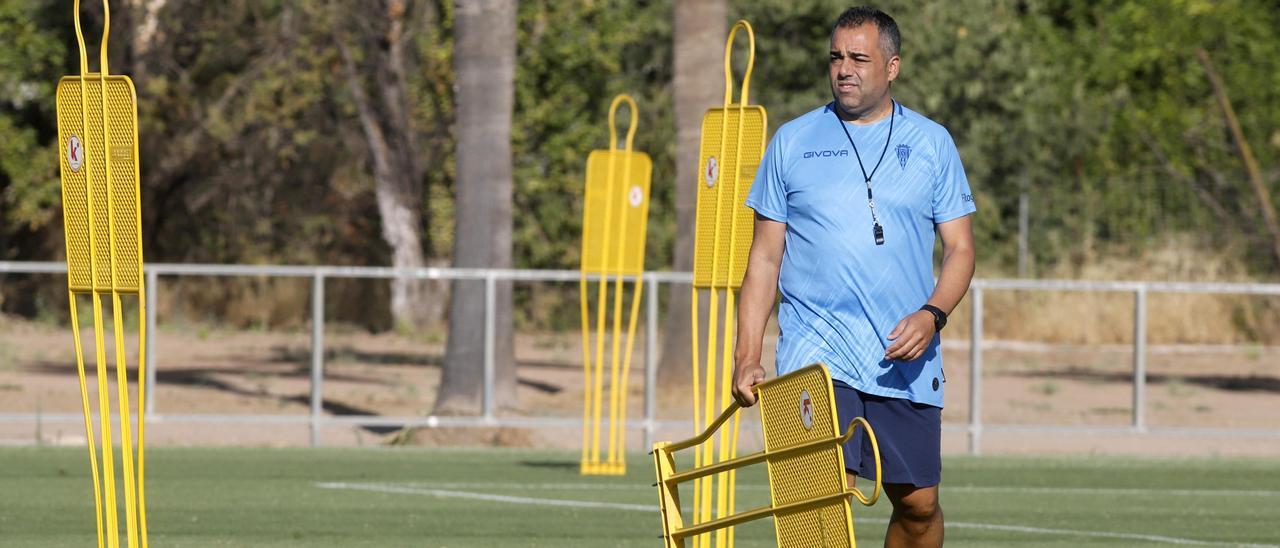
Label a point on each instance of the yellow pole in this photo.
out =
(88, 420)
(713, 320)
(722, 501)
(598, 378)
(710, 404)
(697, 398)
(586, 363)
(602, 297)
(728, 443)
(90, 438)
(616, 339)
(117, 323)
(733, 474)
(614, 465)
(713, 359)
(637, 292)
(126, 434)
(107, 498)
(142, 399)
(733, 241)
(104, 416)
(104, 409)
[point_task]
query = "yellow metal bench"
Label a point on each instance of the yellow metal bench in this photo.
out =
(809, 497)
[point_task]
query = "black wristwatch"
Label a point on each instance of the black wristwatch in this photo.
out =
(939, 317)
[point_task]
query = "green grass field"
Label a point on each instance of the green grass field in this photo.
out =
(413, 497)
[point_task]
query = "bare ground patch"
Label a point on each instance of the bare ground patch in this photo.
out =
(211, 372)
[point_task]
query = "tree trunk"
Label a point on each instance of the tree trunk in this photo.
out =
(484, 57)
(393, 148)
(699, 55)
(147, 15)
(1265, 206)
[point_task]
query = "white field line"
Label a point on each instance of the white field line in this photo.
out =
(446, 493)
(1115, 491)
(1086, 491)
(1096, 534)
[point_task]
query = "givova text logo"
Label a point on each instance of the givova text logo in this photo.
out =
(824, 153)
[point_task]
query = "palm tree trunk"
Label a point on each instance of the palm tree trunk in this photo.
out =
(699, 53)
(484, 57)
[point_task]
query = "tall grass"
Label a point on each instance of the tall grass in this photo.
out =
(1075, 317)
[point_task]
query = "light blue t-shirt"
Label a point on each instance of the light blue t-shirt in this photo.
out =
(841, 293)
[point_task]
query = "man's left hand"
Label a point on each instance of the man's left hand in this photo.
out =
(911, 337)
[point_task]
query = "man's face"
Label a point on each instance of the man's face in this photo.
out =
(860, 72)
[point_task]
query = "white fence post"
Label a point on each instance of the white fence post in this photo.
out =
(1139, 358)
(149, 406)
(317, 355)
(650, 361)
(490, 303)
(975, 373)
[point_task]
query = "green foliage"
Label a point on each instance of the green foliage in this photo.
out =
(1162, 158)
(252, 150)
(792, 38)
(433, 112)
(565, 82)
(29, 64)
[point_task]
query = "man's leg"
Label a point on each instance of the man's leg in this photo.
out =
(910, 438)
(917, 516)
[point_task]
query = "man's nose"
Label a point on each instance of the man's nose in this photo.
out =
(844, 69)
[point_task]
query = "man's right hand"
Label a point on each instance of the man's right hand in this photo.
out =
(744, 378)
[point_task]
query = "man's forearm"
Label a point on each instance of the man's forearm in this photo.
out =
(759, 286)
(756, 303)
(953, 281)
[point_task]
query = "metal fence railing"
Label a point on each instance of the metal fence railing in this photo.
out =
(317, 419)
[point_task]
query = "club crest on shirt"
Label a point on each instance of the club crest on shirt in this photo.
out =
(904, 153)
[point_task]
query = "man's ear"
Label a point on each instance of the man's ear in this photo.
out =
(893, 67)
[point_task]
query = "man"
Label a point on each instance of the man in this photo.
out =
(847, 199)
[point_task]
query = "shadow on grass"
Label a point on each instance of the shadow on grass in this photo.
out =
(209, 378)
(294, 354)
(551, 464)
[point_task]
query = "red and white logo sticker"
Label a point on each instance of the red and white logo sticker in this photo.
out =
(635, 196)
(806, 410)
(75, 153)
(713, 171)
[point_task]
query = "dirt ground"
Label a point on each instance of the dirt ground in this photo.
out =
(210, 372)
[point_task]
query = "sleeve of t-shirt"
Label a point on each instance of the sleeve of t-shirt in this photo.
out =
(768, 194)
(952, 198)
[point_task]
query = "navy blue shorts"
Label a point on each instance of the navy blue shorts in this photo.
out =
(909, 435)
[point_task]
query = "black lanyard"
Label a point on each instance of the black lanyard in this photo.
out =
(876, 229)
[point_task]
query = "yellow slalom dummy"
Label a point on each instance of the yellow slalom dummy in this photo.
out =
(615, 221)
(98, 153)
(809, 500)
(733, 139)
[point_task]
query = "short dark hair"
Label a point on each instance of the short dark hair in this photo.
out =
(890, 40)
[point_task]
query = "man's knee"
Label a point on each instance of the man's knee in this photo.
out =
(918, 504)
